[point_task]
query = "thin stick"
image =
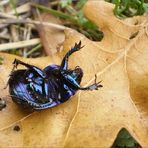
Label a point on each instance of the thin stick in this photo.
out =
(21, 9)
(19, 44)
(13, 21)
(7, 37)
(5, 15)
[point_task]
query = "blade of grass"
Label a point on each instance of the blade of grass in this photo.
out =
(13, 4)
(78, 21)
(56, 13)
(129, 8)
(33, 50)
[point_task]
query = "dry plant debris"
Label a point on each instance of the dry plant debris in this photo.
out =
(89, 119)
(17, 36)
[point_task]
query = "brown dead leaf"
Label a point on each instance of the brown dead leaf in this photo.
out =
(51, 38)
(94, 118)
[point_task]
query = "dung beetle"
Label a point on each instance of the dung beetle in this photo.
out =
(41, 89)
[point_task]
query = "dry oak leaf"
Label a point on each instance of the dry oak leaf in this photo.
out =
(94, 118)
(51, 38)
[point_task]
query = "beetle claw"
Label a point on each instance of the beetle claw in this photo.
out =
(77, 47)
(15, 63)
(96, 85)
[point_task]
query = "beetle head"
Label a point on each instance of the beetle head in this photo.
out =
(77, 74)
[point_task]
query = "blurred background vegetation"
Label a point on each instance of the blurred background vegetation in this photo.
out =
(68, 11)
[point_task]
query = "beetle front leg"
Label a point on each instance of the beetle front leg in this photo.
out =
(15, 64)
(64, 64)
(94, 86)
(33, 68)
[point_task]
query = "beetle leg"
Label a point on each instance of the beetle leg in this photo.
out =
(64, 64)
(14, 66)
(34, 68)
(94, 86)
(24, 101)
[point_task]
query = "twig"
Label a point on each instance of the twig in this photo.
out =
(26, 36)
(14, 33)
(20, 21)
(5, 15)
(19, 44)
(21, 9)
(4, 34)
(7, 37)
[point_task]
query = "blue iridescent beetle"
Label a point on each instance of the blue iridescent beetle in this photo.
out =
(41, 89)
